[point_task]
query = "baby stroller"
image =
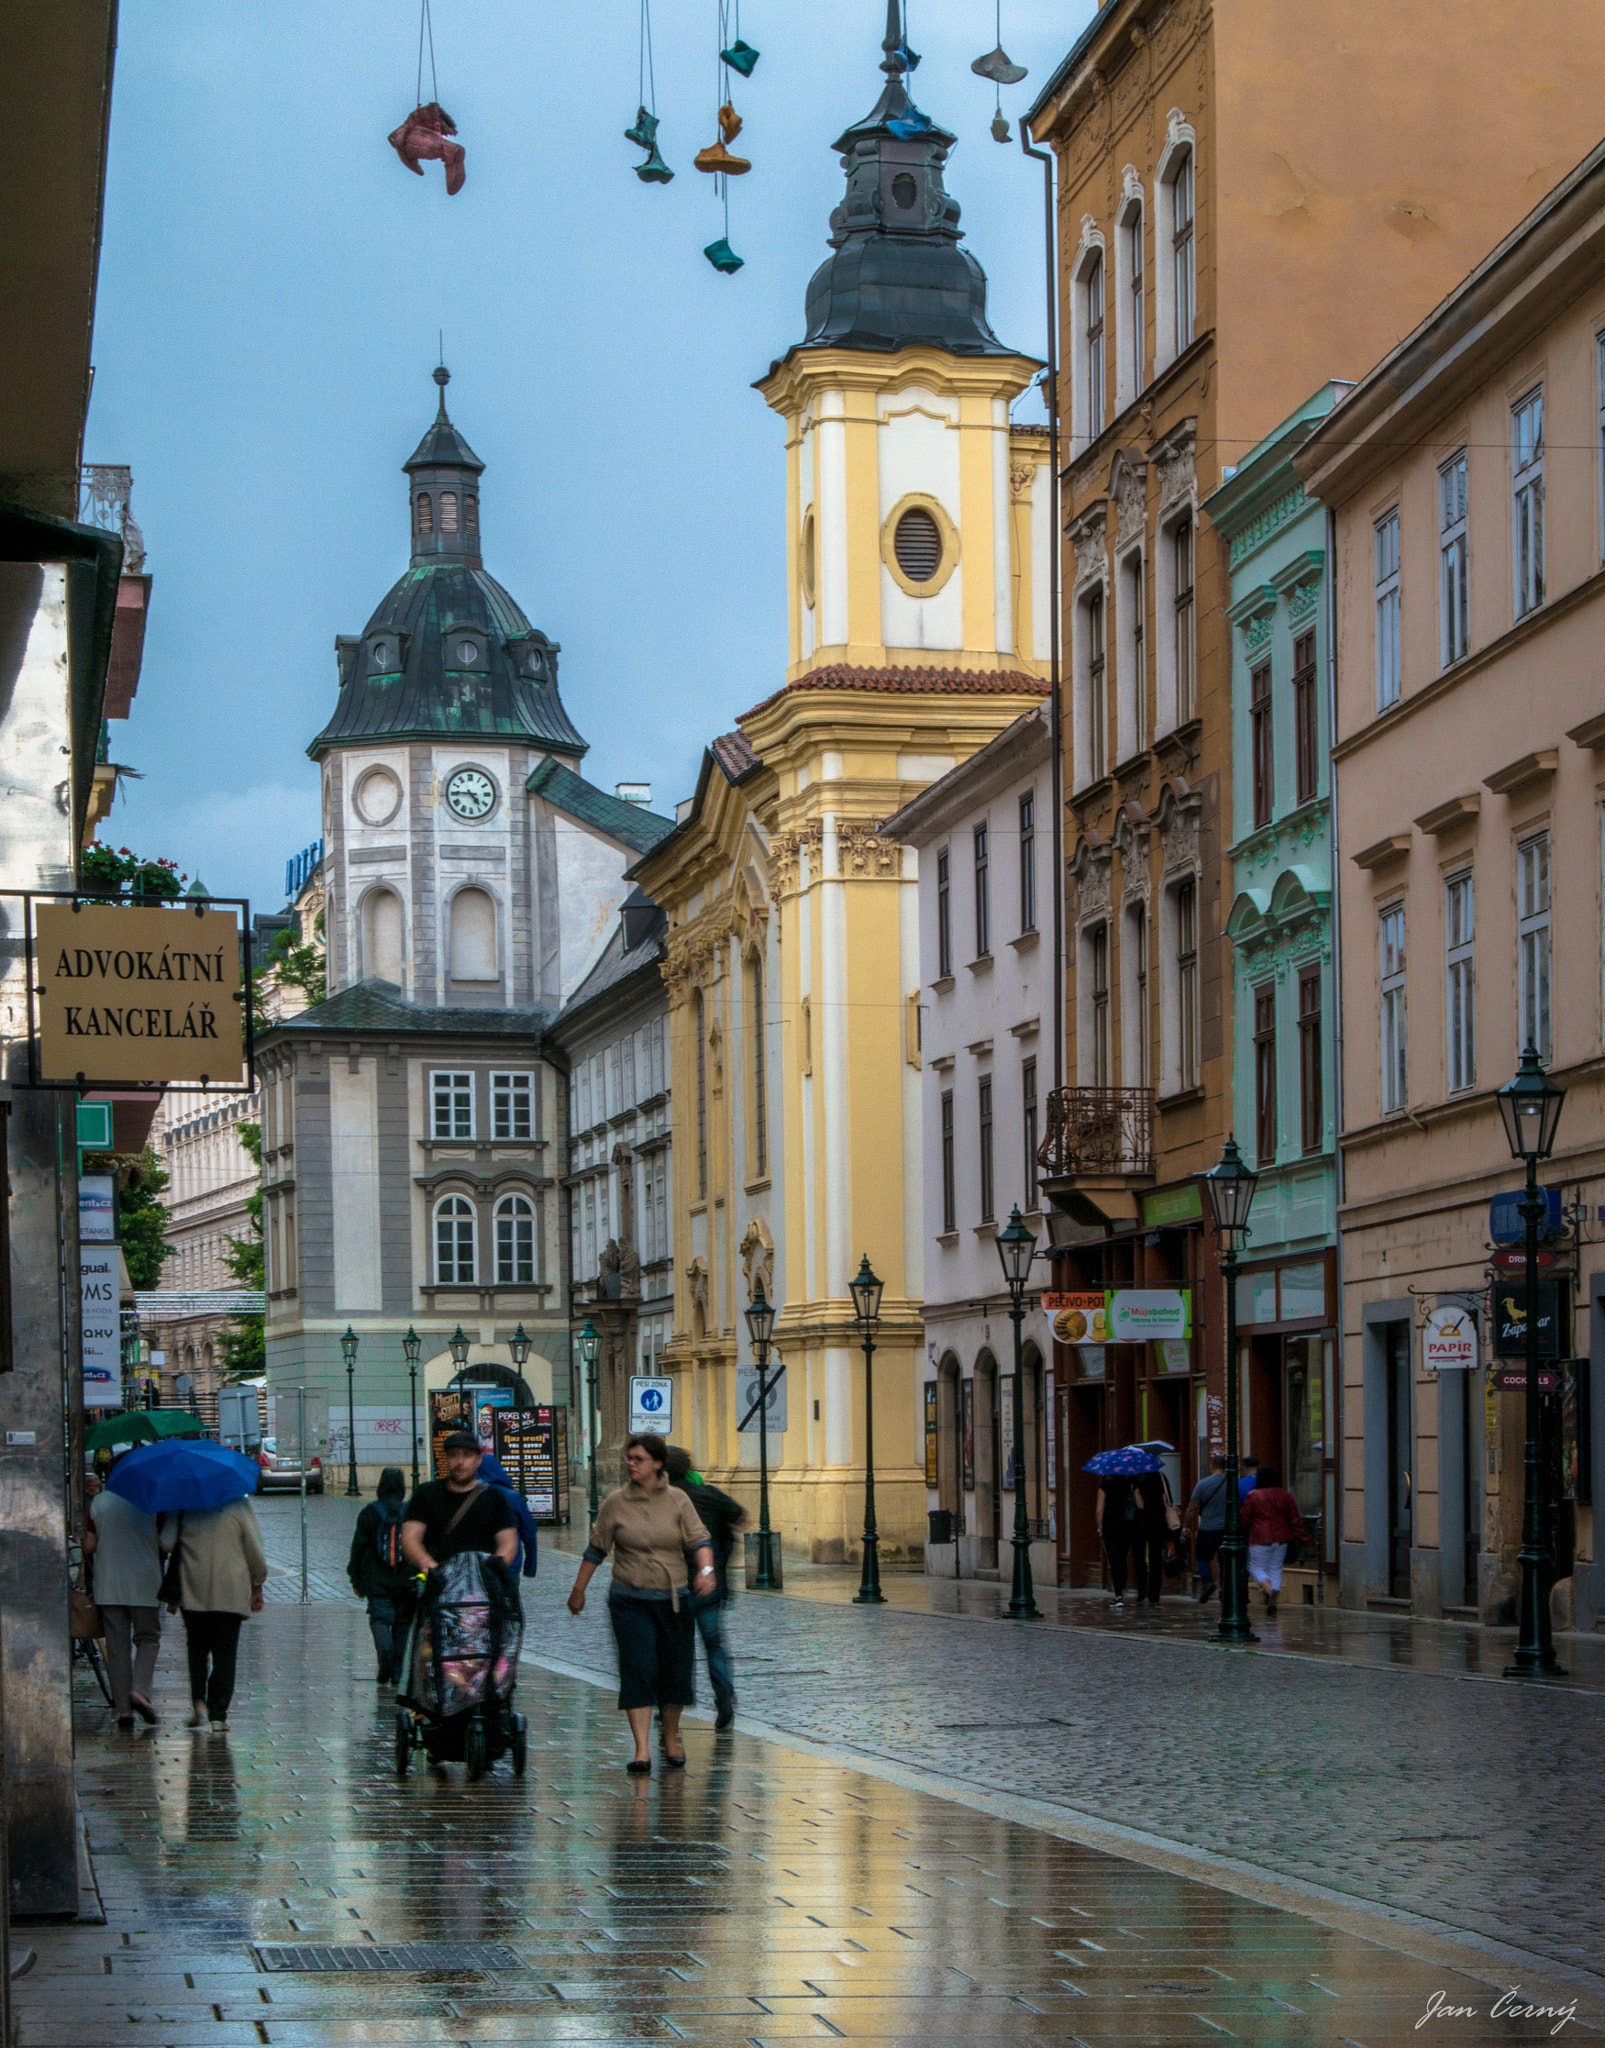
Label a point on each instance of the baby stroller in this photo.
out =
(462, 1662)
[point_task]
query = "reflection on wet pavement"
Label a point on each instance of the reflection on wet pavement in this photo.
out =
(761, 1896)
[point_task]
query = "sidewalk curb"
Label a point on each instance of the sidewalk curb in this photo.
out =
(1413, 1934)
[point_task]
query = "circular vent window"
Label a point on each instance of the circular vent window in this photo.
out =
(904, 190)
(918, 545)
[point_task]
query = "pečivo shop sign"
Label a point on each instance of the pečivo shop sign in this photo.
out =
(138, 993)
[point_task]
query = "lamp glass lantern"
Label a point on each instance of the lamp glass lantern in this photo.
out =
(590, 1345)
(1231, 1187)
(760, 1319)
(867, 1291)
(1530, 1106)
(411, 1345)
(348, 1347)
(518, 1346)
(459, 1347)
(1016, 1248)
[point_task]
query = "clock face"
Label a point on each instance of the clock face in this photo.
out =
(470, 793)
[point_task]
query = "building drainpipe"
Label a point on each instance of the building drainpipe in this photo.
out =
(1335, 1421)
(1055, 714)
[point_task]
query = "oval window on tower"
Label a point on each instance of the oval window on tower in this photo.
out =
(904, 190)
(809, 558)
(918, 545)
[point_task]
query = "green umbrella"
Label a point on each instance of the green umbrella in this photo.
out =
(142, 1426)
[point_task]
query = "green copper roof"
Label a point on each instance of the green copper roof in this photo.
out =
(380, 1006)
(629, 823)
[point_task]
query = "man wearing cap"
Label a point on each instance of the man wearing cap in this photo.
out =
(458, 1513)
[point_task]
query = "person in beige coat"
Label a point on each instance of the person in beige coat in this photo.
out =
(221, 1575)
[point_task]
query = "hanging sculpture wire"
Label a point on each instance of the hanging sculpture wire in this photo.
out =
(718, 158)
(427, 131)
(1000, 68)
(644, 133)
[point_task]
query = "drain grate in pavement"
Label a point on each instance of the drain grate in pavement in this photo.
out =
(375, 1955)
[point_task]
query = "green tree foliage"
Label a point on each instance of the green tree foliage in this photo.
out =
(142, 1214)
(244, 1350)
(288, 963)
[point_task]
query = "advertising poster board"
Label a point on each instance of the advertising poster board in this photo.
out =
(102, 1326)
(1510, 1318)
(532, 1444)
(932, 1476)
(448, 1410)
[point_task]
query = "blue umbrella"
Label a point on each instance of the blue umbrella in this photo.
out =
(1128, 1463)
(180, 1474)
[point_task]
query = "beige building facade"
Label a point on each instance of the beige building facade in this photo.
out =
(1466, 480)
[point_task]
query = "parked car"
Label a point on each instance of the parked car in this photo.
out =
(283, 1475)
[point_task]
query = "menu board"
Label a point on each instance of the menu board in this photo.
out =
(448, 1410)
(532, 1444)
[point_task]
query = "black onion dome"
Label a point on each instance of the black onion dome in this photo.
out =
(898, 277)
(447, 653)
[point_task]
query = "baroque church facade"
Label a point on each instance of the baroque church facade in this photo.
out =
(415, 1123)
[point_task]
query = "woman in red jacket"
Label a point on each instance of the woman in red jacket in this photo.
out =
(1271, 1521)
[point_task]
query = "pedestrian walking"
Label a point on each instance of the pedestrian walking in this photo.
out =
(721, 1516)
(220, 1572)
(1247, 1478)
(1205, 1521)
(494, 1473)
(650, 1527)
(1117, 1513)
(457, 1513)
(380, 1574)
(1273, 1522)
(1158, 1520)
(123, 1541)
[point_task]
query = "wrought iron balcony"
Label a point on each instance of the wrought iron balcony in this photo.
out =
(1094, 1133)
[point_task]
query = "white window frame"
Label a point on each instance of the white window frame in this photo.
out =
(1099, 941)
(451, 1106)
(1454, 563)
(1460, 979)
(1179, 156)
(1091, 250)
(1534, 944)
(1175, 623)
(1131, 676)
(510, 1092)
(1134, 972)
(513, 1223)
(1087, 723)
(1527, 501)
(1388, 600)
(1131, 286)
(1393, 1013)
(1095, 354)
(1179, 1016)
(455, 1223)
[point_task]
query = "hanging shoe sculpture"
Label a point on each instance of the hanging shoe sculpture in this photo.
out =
(722, 256)
(997, 66)
(740, 57)
(910, 124)
(717, 157)
(1000, 126)
(426, 133)
(644, 134)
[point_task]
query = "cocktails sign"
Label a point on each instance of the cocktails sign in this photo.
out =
(130, 993)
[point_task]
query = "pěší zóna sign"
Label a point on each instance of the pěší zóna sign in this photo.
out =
(138, 992)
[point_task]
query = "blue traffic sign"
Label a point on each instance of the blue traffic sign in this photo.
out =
(1506, 1224)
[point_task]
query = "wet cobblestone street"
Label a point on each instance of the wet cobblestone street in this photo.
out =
(774, 1893)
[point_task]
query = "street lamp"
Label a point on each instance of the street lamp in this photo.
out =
(518, 1346)
(1530, 1106)
(459, 1348)
(1016, 1248)
(1231, 1187)
(590, 1347)
(866, 1291)
(348, 1349)
(411, 1344)
(760, 1327)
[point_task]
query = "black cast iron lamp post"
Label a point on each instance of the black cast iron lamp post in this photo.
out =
(1231, 1187)
(1016, 1248)
(459, 1348)
(866, 1292)
(1530, 1106)
(760, 1327)
(411, 1345)
(518, 1346)
(348, 1350)
(590, 1346)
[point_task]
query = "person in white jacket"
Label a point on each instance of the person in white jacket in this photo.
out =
(123, 1542)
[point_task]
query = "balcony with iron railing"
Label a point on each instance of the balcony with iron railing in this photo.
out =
(1097, 1151)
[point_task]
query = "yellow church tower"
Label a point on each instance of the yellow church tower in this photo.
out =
(919, 626)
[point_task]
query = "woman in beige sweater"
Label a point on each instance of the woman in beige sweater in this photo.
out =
(221, 1575)
(650, 1526)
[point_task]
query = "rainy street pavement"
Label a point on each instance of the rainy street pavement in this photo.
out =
(813, 1884)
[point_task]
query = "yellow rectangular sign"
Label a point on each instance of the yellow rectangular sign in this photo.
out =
(138, 993)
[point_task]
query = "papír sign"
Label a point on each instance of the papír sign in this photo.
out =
(1449, 1340)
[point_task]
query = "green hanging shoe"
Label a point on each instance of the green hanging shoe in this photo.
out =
(723, 257)
(644, 134)
(654, 171)
(740, 57)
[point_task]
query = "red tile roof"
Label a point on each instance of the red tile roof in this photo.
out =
(922, 682)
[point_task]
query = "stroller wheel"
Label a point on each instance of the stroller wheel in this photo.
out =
(518, 1744)
(474, 1752)
(403, 1742)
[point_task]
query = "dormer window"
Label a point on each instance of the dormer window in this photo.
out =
(426, 513)
(382, 653)
(464, 650)
(448, 511)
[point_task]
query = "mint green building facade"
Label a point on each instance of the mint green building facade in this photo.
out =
(1282, 988)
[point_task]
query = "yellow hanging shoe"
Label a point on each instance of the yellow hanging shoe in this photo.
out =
(717, 158)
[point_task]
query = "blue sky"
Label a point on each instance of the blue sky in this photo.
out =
(271, 288)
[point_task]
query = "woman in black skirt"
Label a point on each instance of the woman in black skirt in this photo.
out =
(650, 1526)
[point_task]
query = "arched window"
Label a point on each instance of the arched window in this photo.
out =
(473, 936)
(515, 1241)
(1135, 282)
(426, 513)
(448, 511)
(1092, 289)
(381, 936)
(454, 1241)
(1181, 244)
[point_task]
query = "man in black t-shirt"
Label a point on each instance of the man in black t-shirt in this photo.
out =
(457, 1513)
